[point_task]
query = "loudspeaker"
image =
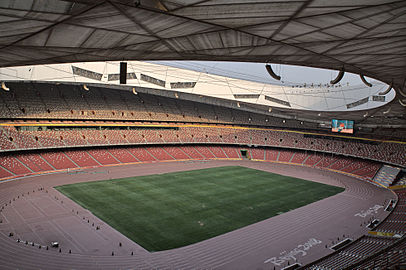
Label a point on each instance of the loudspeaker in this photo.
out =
(123, 72)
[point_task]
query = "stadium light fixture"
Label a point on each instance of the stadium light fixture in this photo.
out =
(176, 95)
(339, 77)
(270, 109)
(403, 94)
(387, 111)
(238, 104)
(85, 87)
(387, 90)
(134, 92)
(365, 81)
(4, 87)
(366, 114)
(272, 73)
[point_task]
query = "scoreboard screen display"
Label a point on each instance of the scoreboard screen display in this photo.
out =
(342, 126)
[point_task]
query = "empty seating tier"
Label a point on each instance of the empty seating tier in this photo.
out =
(17, 164)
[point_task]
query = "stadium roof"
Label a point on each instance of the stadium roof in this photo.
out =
(365, 36)
(311, 96)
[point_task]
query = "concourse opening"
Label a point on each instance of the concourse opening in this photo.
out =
(245, 154)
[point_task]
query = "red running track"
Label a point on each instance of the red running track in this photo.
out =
(36, 212)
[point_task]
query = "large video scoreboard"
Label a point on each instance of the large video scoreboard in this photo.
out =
(342, 126)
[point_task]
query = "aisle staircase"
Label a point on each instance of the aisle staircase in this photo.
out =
(386, 175)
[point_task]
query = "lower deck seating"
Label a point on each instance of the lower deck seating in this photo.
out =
(402, 180)
(355, 165)
(359, 250)
(191, 152)
(122, 155)
(231, 152)
(217, 151)
(389, 259)
(341, 163)
(34, 162)
(159, 153)
(285, 155)
(258, 154)
(327, 161)
(141, 154)
(390, 250)
(299, 157)
(272, 155)
(58, 160)
(4, 173)
(313, 160)
(353, 253)
(176, 153)
(12, 164)
(82, 158)
(28, 163)
(103, 156)
(368, 171)
(204, 151)
(396, 221)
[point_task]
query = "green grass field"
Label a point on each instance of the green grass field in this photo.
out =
(165, 211)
